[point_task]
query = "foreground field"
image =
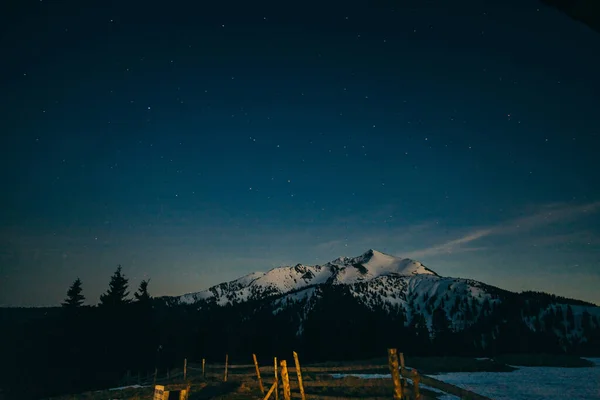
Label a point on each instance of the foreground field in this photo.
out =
(320, 384)
(533, 382)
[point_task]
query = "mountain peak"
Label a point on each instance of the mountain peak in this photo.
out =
(374, 253)
(377, 264)
(371, 265)
(371, 253)
(363, 258)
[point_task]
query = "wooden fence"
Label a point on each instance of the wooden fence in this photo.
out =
(399, 372)
(280, 378)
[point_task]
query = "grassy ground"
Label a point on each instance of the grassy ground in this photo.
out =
(238, 388)
(318, 382)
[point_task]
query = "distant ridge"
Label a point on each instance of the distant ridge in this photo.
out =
(391, 288)
(370, 265)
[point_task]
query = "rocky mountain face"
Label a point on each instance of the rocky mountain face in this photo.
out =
(377, 297)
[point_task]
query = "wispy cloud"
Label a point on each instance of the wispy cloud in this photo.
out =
(547, 215)
(542, 218)
(329, 245)
(452, 246)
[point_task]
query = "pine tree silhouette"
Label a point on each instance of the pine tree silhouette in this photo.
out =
(142, 295)
(74, 297)
(586, 323)
(570, 318)
(117, 293)
(440, 325)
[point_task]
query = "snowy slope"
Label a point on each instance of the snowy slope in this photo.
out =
(344, 270)
(382, 282)
(378, 280)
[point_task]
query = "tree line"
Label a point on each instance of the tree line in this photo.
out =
(77, 347)
(74, 348)
(116, 295)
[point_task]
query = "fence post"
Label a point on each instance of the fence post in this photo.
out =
(393, 364)
(184, 369)
(260, 383)
(299, 373)
(226, 363)
(155, 375)
(416, 379)
(203, 362)
(276, 381)
(287, 394)
(402, 373)
(270, 391)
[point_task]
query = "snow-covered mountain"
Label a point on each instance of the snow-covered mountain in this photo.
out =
(367, 267)
(408, 290)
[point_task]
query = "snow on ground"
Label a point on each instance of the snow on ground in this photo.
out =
(526, 383)
(378, 264)
(531, 383)
(441, 394)
(362, 376)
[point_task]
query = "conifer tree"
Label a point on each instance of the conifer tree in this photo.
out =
(117, 293)
(485, 307)
(536, 324)
(419, 326)
(570, 318)
(142, 295)
(74, 297)
(440, 324)
(549, 319)
(586, 322)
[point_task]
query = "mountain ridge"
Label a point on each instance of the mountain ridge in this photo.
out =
(342, 270)
(391, 288)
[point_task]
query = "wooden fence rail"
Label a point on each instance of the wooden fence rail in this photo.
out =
(464, 394)
(413, 375)
(399, 374)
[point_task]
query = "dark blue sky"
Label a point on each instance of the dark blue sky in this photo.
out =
(195, 143)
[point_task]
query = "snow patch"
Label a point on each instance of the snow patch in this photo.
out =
(531, 383)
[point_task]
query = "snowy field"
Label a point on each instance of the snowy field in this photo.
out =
(526, 383)
(530, 383)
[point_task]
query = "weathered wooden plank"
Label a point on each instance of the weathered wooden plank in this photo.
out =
(394, 371)
(260, 382)
(299, 373)
(273, 386)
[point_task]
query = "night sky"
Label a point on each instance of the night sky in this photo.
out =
(195, 142)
